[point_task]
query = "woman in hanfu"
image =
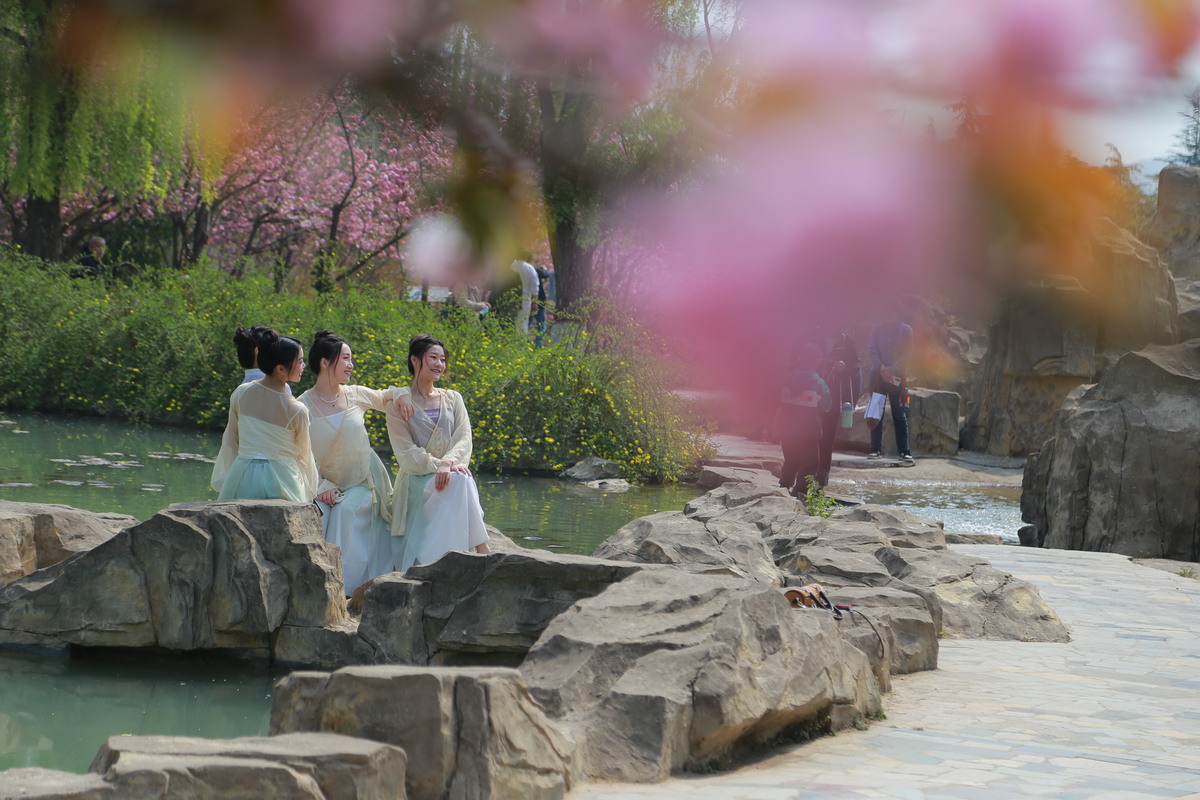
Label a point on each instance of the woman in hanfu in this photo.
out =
(265, 452)
(355, 489)
(435, 504)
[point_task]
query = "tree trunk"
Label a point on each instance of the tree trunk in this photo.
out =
(43, 230)
(566, 189)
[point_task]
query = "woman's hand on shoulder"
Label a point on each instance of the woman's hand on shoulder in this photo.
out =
(401, 407)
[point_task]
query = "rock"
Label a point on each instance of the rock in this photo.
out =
(671, 537)
(902, 528)
(1175, 227)
(1028, 536)
(468, 733)
(953, 537)
(978, 600)
(1121, 471)
(933, 422)
(592, 468)
(609, 485)
(196, 576)
(468, 608)
(712, 476)
(669, 670)
(902, 633)
(343, 767)
(1058, 334)
(35, 783)
(37, 535)
(1187, 293)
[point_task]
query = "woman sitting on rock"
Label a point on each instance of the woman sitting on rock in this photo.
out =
(435, 505)
(355, 489)
(265, 452)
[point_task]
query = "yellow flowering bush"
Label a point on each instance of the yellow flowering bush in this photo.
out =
(162, 350)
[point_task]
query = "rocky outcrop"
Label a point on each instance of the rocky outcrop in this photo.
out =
(305, 766)
(1121, 471)
(471, 609)
(37, 535)
(978, 601)
(1187, 292)
(1055, 335)
(468, 733)
(670, 670)
(1175, 227)
(196, 576)
(933, 422)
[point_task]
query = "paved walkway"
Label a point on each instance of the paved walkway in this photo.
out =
(1112, 715)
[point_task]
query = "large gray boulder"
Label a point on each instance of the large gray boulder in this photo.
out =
(1175, 227)
(196, 576)
(469, 733)
(1121, 471)
(671, 537)
(467, 608)
(670, 670)
(1187, 291)
(978, 601)
(933, 421)
(38, 535)
(592, 468)
(1054, 335)
(304, 766)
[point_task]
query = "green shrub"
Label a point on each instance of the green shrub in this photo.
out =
(161, 350)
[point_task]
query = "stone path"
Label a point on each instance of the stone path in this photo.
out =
(1112, 715)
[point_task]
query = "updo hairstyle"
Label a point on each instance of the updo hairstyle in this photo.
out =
(275, 350)
(325, 345)
(248, 341)
(418, 346)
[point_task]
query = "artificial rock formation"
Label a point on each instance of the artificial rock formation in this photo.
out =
(670, 670)
(469, 733)
(1175, 227)
(1056, 334)
(303, 766)
(38, 535)
(195, 576)
(1121, 470)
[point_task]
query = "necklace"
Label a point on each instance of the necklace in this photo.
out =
(337, 396)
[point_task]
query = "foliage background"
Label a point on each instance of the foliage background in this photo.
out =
(161, 350)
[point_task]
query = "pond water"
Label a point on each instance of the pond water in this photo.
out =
(56, 713)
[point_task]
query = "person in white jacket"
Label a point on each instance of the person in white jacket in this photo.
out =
(529, 290)
(435, 503)
(355, 489)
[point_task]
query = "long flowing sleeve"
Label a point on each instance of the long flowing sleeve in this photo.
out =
(459, 453)
(307, 464)
(411, 457)
(229, 445)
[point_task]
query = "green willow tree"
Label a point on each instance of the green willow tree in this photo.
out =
(80, 112)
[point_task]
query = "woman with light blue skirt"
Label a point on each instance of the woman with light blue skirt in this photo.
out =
(435, 504)
(265, 452)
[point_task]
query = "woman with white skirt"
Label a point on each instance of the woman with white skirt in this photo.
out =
(435, 504)
(355, 490)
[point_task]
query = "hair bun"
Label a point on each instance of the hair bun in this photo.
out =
(420, 337)
(325, 334)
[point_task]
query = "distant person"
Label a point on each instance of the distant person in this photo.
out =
(467, 295)
(804, 398)
(355, 488)
(91, 263)
(265, 451)
(435, 503)
(888, 353)
(539, 316)
(843, 375)
(529, 291)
